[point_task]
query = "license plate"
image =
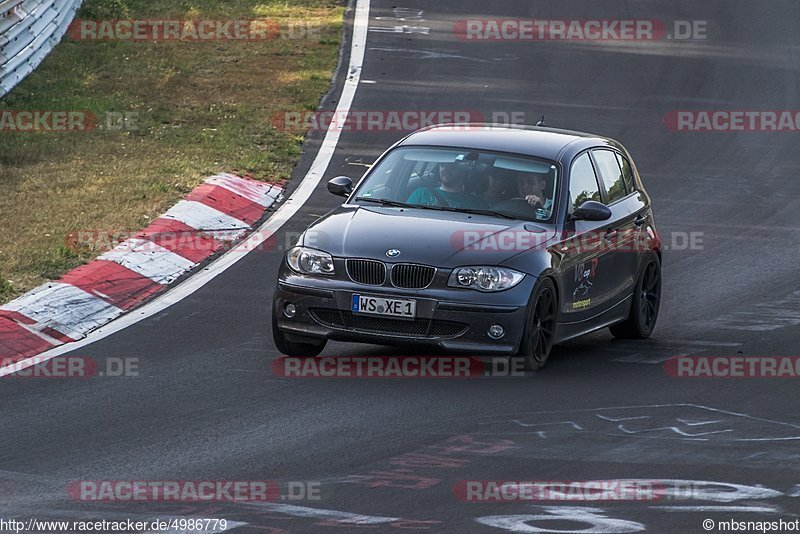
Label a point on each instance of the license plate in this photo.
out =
(367, 304)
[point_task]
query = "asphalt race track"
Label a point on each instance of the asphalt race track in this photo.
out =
(387, 454)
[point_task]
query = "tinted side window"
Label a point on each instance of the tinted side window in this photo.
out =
(582, 182)
(627, 173)
(608, 166)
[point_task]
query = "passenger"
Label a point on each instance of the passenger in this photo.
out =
(450, 191)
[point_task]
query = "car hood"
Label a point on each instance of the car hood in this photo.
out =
(439, 238)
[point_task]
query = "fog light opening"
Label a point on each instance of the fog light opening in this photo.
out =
(289, 310)
(496, 331)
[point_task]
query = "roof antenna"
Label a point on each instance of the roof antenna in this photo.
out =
(541, 122)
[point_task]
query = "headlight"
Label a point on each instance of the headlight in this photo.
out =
(485, 278)
(309, 261)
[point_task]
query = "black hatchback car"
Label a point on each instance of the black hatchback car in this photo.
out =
(478, 239)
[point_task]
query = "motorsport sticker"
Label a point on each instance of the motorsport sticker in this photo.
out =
(584, 277)
(581, 304)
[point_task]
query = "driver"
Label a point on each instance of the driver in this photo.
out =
(531, 186)
(450, 191)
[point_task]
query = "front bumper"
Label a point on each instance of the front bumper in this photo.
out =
(450, 319)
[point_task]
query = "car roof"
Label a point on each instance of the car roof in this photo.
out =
(536, 141)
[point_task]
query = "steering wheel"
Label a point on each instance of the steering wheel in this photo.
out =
(519, 206)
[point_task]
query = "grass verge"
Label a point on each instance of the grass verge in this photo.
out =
(194, 108)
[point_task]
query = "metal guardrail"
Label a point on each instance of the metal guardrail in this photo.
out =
(29, 29)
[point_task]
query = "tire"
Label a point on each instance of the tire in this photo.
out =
(645, 304)
(294, 348)
(540, 326)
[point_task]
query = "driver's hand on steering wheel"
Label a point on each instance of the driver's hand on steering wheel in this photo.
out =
(534, 200)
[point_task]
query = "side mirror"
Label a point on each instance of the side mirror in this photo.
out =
(341, 186)
(591, 211)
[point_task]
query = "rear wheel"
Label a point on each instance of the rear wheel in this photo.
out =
(537, 338)
(645, 305)
(294, 348)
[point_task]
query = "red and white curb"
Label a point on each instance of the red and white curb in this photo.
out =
(221, 210)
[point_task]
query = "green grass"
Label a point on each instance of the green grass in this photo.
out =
(201, 107)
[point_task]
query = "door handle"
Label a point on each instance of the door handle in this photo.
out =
(640, 220)
(611, 234)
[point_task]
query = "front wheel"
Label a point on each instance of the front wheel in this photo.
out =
(292, 348)
(540, 328)
(645, 305)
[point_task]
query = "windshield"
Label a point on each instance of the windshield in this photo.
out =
(463, 180)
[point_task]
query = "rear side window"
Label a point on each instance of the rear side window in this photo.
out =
(627, 173)
(610, 172)
(583, 184)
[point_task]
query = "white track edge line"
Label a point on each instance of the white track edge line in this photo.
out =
(282, 215)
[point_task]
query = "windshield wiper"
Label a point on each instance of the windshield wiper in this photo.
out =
(475, 211)
(386, 202)
(488, 212)
(397, 204)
